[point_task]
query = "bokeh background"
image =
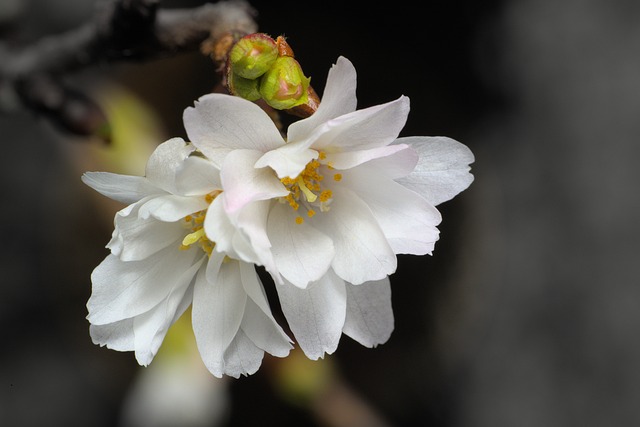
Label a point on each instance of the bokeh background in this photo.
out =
(527, 314)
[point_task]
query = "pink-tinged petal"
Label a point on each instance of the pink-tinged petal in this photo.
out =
(350, 159)
(135, 239)
(126, 289)
(172, 208)
(371, 127)
(407, 220)
(288, 160)
(442, 170)
(369, 313)
(197, 177)
(258, 323)
(242, 357)
(302, 253)
(244, 183)
(116, 336)
(338, 98)
(219, 123)
(164, 162)
(316, 314)
(151, 327)
(362, 252)
(218, 309)
(122, 188)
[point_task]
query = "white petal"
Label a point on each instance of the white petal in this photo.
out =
(122, 188)
(135, 238)
(197, 177)
(338, 98)
(151, 327)
(252, 227)
(407, 220)
(219, 123)
(371, 127)
(219, 229)
(242, 357)
(442, 170)
(350, 159)
(172, 208)
(316, 314)
(116, 336)
(369, 313)
(301, 252)
(218, 309)
(165, 161)
(362, 252)
(398, 164)
(288, 160)
(258, 323)
(243, 183)
(126, 289)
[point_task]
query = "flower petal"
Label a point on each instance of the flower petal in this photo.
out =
(126, 289)
(135, 239)
(197, 177)
(219, 123)
(151, 327)
(172, 208)
(258, 323)
(218, 309)
(242, 357)
(407, 220)
(362, 252)
(164, 162)
(122, 188)
(116, 336)
(364, 129)
(369, 313)
(243, 183)
(288, 160)
(316, 314)
(350, 159)
(339, 98)
(442, 170)
(301, 252)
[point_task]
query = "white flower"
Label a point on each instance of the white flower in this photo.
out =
(327, 210)
(161, 262)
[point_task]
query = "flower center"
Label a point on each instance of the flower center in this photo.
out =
(307, 191)
(195, 223)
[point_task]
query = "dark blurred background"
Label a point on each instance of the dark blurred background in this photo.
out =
(528, 312)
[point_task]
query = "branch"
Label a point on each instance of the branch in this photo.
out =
(126, 30)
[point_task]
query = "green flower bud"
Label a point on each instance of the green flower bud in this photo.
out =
(253, 55)
(244, 88)
(284, 86)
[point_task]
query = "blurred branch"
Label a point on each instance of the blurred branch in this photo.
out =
(126, 30)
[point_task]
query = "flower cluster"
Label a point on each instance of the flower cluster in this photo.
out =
(325, 211)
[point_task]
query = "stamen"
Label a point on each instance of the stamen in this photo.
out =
(308, 194)
(299, 220)
(337, 177)
(192, 238)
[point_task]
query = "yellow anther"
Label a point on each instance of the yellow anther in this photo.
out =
(188, 218)
(337, 177)
(325, 195)
(311, 213)
(322, 155)
(299, 220)
(307, 193)
(191, 238)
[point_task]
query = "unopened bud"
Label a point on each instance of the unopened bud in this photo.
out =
(284, 86)
(253, 55)
(244, 88)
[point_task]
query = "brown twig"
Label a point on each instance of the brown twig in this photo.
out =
(126, 30)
